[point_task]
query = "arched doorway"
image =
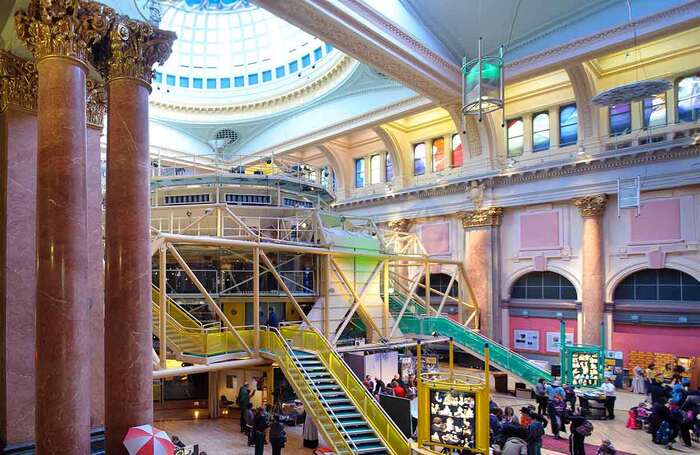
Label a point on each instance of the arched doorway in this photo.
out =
(440, 282)
(656, 311)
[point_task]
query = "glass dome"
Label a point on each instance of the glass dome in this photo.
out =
(232, 47)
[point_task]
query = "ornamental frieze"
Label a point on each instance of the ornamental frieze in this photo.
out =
(590, 206)
(490, 216)
(402, 225)
(64, 28)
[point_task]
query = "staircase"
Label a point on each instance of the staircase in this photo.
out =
(360, 436)
(416, 321)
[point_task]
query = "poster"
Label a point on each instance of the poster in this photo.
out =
(453, 418)
(553, 341)
(584, 369)
(527, 339)
(407, 367)
(430, 364)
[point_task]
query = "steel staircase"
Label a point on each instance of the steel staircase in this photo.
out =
(361, 438)
(416, 321)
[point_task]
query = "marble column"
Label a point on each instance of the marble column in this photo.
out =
(482, 257)
(60, 35)
(134, 47)
(18, 141)
(592, 209)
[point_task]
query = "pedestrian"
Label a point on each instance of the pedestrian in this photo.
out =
(273, 321)
(606, 448)
(535, 431)
(541, 396)
(259, 428)
(278, 437)
(580, 429)
(310, 433)
(555, 410)
(249, 418)
(609, 389)
(242, 400)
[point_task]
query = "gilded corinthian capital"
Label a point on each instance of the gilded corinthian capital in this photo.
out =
(133, 48)
(18, 82)
(490, 216)
(401, 225)
(589, 206)
(66, 28)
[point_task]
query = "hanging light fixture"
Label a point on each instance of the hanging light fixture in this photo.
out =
(633, 91)
(482, 83)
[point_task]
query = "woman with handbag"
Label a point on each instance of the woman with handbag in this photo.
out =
(278, 437)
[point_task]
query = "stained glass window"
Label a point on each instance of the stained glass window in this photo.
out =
(620, 119)
(688, 97)
(654, 111)
(359, 173)
(375, 169)
(662, 284)
(457, 151)
(568, 125)
(540, 131)
(438, 154)
(515, 137)
(389, 168)
(419, 159)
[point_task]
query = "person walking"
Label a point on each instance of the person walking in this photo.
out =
(242, 400)
(541, 396)
(580, 429)
(259, 427)
(273, 321)
(609, 389)
(535, 431)
(278, 437)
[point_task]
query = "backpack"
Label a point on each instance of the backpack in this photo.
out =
(663, 434)
(585, 429)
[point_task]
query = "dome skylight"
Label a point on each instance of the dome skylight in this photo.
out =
(232, 48)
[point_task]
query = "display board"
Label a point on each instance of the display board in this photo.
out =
(554, 343)
(430, 364)
(527, 339)
(407, 367)
(453, 418)
(399, 410)
(585, 368)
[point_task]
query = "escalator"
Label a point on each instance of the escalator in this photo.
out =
(415, 321)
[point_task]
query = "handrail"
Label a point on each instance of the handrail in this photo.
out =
(385, 428)
(300, 366)
(172, 303)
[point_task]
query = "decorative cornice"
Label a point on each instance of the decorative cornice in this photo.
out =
(591, 206)
(95, 103)
(63, 28)
(402, 225)
(488, 217)
(18, 83)
(133, 48)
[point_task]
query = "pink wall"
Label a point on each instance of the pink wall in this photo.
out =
(681, 341)
(539, 230)
(542, 325)
(646, 227)
(436, 237)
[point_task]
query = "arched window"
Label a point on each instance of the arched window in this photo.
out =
(688, 98)
(419, 159)
(540, 131)
(568, 125)
(457, 151)
(662, 284)
(375, 169)
(438, 282)
(438, 154)
(388, 168)
(543, 285)
(515, 130)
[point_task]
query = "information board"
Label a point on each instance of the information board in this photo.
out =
(453, 418)
(585, 369)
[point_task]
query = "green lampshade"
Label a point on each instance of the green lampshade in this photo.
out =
(490, 73)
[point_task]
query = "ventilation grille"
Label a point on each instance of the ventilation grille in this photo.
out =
(228, 135)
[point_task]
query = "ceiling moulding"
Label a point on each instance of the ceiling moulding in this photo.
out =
(375, 40)
(672, 20)
(341, 70)
(333, 131)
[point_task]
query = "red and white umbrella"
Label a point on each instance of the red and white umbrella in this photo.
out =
(148, 440)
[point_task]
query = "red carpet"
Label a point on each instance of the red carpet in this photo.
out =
(562, 445)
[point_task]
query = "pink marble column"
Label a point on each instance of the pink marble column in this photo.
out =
(482, 259)
(592, 209)
(128, 319)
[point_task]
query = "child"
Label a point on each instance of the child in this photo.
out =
(606, 448)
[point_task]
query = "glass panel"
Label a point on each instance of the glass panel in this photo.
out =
(620, 119)
(655, 111)
(646, 292)
(359, 173)
(688, 280)
(375, 169)
(688, 95)
(646, 277)
(518, 292)
(550, 292)
(534, 292)
(550, 279)
(624, 292)
(419, 159)
(540, 132)
(438, 154)
(691, 293)
(568, 125)
(669, 276)
(568, 293)
(669, 293)
(534, 279)
(457, 151)
(389, 170)
(515, 137)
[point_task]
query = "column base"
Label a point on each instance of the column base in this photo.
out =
(97, 445)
